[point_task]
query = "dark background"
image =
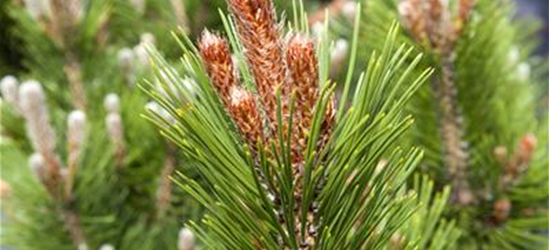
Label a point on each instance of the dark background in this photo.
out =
(539, 9)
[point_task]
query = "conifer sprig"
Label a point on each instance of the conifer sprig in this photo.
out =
(315, 189)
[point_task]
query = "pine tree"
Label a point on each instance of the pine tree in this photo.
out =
(285, 166)
(476, 119)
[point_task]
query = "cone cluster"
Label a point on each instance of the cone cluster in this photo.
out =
(286, 65)
(277, 65)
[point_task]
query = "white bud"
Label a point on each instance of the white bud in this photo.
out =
(31, 94)
(113, 123)
(33, 107)
(125, 58)
(115, 129)
(523, 72)
(8, 88)
(341, 49)
(349, 10)
(147, 38)
(82, 246)
(186, 240)
(112, 103)
(36, 163)
(106, 247)
(513, 57)
(317, 29)
(76, 123)
(141, 55)
(139, 5)
(154, 107)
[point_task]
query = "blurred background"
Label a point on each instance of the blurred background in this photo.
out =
(10, 56)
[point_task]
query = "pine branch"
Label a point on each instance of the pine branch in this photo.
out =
(63, 19)
(269, 195)
(481, 54)
(113, 123)
(46, 163)
(429, 22)
(42, 135)
(451, 130)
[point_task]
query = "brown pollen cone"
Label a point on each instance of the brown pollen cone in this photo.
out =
(519, 161)
(303, 69)
(260, 35)
(502, 210)
(219, 65)
(240, 104)
(245, 114)
(304, 77)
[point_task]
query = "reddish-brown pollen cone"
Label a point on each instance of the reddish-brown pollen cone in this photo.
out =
(245, 114)
(219, 65)
(303, 69)
(260, 35)
(527, 147)
(240, 104)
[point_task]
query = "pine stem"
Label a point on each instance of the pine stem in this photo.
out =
(53, 181)
(165, 188)
(63, 31)
(451, 129)
(71, 173)
(73, 70)
(72, 223)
